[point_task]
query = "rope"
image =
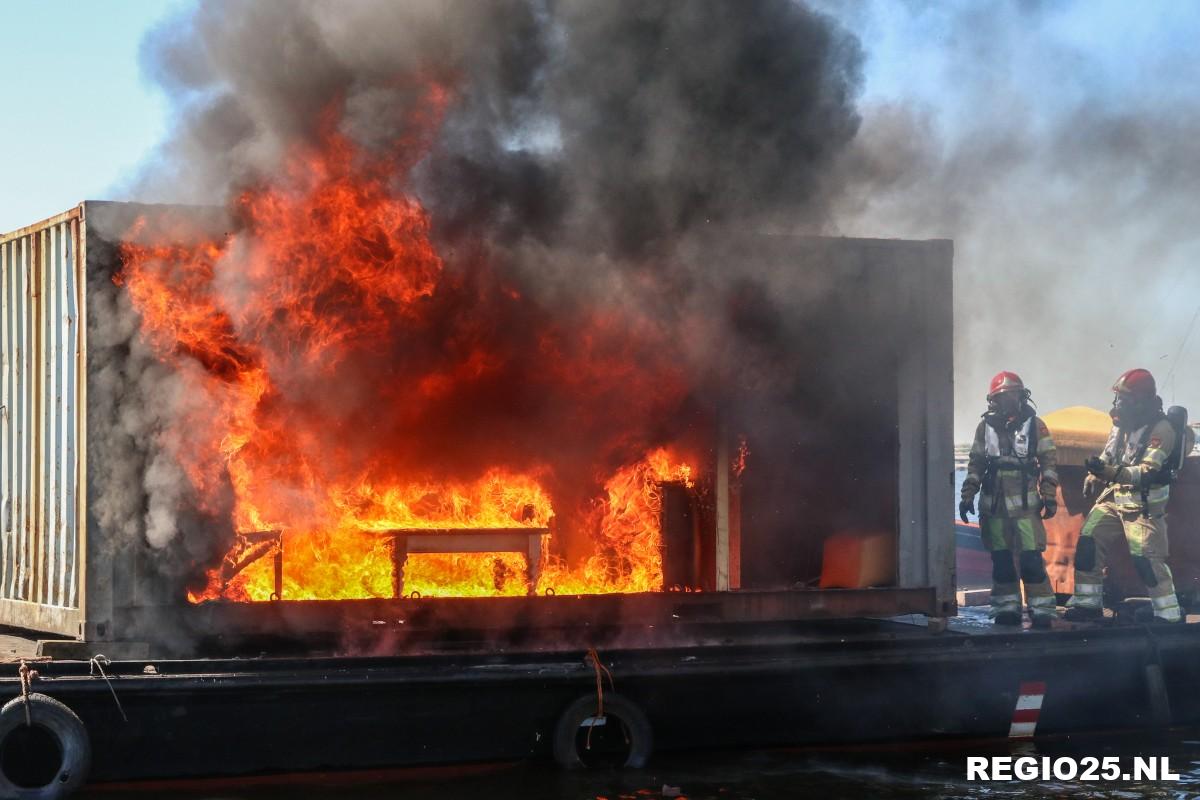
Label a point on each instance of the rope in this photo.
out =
(601, 671)
(97, 663)
(27, 676)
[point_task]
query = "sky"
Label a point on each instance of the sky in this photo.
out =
(1056, 143)
(78, 116)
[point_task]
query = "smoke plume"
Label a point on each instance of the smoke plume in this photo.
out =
(578, 151)
(1059, 146)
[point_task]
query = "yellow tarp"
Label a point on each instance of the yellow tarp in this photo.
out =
(1079, 432)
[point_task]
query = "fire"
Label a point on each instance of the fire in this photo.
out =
(353, 561)
(739, 459)
(322, 391)
(629, 553)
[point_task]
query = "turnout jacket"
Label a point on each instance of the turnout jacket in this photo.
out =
(1140, 483)
(1012, 466)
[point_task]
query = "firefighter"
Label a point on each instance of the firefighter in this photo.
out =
(1131, 483)
(1013, 468)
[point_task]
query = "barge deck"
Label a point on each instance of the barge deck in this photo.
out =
(771, 684)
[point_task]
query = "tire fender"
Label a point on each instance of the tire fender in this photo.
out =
(61, 723)
(641, 735)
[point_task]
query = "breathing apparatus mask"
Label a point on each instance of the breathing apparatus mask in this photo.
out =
(1008, 404)
(1130, 412)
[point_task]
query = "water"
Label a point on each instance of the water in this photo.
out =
(890, 773)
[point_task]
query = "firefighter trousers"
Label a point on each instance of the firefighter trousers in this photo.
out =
(1146, 536)
(1016, 545)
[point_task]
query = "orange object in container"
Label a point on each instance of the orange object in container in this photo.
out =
(857, 559)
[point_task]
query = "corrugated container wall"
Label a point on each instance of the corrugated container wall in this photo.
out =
(41, 420)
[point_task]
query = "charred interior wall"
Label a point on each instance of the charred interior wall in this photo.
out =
(832, 396)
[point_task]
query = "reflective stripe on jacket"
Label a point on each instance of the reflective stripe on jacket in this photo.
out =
(1014, 468)
(1140, 454)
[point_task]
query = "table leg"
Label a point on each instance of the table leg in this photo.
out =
(399, 558)
(277, 558)
(533, 559)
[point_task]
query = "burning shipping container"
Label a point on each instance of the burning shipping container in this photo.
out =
(176, 459)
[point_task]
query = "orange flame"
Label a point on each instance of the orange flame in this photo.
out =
(739, 460)
(327, 264)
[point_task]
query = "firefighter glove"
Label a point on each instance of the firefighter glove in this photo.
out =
(966, 507)
(1097, 467)
(1049, 508)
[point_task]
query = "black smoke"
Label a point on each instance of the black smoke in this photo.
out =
(612, 156)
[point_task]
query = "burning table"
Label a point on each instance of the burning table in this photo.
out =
(255, 545)
(466, 540)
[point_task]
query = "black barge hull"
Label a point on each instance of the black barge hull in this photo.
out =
(833, 685)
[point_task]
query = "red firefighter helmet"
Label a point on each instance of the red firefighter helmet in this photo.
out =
(1005, 382)
(1137, 382)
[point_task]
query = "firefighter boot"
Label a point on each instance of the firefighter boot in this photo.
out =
(1041, 621)
(1083, 614)
(1147, 538)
